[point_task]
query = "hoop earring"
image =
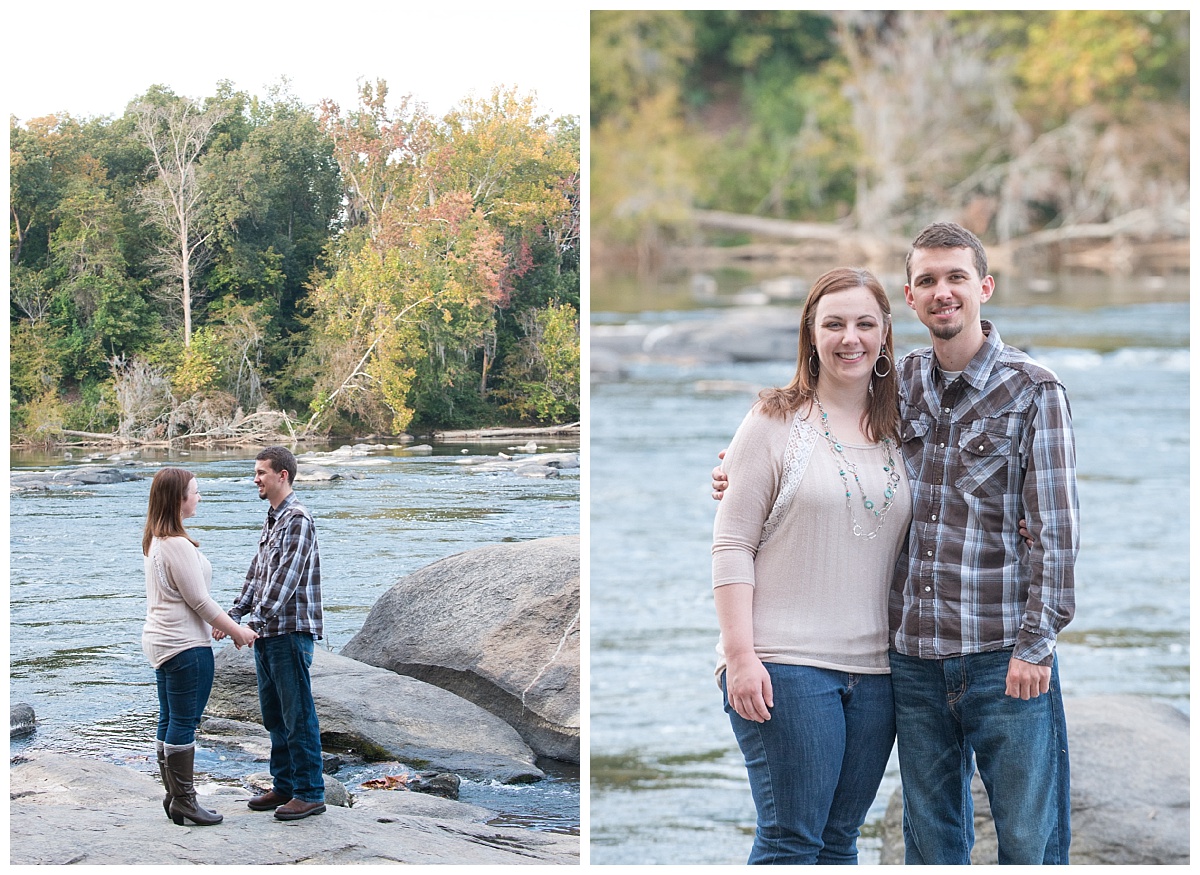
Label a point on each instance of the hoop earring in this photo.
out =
(814, 365)
(875, 368)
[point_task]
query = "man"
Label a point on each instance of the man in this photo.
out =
(281, 600)
(974, 612)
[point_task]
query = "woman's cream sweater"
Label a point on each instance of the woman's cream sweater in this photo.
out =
(820, 592)
(179, 607)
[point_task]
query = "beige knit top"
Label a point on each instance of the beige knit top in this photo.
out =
(179, 606)
(820, 592)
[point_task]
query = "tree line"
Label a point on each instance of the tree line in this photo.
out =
(237, 266)
(1014, 123)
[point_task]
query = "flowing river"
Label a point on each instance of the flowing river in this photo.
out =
(77, 593)
(668, 784)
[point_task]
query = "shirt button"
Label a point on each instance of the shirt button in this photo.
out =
(945, 410)
(981, 447)
(927, 589)
(933, 516)
(942, 446)
(928, 552)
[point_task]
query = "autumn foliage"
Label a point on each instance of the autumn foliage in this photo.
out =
(369, 269)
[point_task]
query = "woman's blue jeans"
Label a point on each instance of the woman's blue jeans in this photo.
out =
(288, 712)
(815, 766)
(951, 716)
(184, 682)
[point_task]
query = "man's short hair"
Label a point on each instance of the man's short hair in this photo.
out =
(947, 235)
(281, 459)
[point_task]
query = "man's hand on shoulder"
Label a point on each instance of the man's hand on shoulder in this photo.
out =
(720, 480)
(1026, 680)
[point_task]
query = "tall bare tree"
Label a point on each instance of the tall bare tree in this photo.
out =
(175, 133)
(929, 108)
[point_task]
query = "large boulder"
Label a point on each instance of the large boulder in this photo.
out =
(384, 716)
(1130, 801)
(65, 810)
(499, 626)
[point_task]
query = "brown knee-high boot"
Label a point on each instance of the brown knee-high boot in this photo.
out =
(179, 763)
(166, 778)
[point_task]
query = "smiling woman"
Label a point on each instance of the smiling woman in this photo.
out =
(802, 561)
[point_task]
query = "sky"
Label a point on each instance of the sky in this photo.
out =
(91, 59)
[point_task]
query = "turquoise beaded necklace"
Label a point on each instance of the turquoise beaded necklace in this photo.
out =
(844, 464)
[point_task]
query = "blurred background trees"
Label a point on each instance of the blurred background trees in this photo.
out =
(362, 270)
(1013, 123)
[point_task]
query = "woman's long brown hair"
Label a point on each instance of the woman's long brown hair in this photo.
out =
(164, 516)
(882, 416)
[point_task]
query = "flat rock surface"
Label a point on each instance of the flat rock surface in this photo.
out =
(381, 715)
(69, 810)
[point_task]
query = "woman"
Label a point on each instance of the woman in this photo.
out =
(804, 546)
(180, 614)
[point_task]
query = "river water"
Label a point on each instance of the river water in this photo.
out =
(668, 784)
(77, 594)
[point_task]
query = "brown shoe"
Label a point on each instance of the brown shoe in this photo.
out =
(267, 800)
(298, 808)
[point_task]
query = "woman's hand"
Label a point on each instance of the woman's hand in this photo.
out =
(748, 687)
(1023, 530)
(243, 637)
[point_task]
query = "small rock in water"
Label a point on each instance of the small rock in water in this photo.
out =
(21, 721)
(435, 784)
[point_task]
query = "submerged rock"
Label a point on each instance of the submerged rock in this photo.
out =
(21, 720)
(499, 626)
(83, 475)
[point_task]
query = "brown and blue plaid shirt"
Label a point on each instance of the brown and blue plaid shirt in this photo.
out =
(990, 448)
(282, 592)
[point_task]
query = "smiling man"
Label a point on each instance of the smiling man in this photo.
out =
(281, 600)
(975, 613)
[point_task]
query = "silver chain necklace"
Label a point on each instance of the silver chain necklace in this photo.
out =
(844, 464)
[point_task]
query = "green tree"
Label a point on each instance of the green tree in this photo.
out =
(542, 383)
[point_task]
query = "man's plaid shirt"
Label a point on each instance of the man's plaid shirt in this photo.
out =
(282, 592)
(992, 447)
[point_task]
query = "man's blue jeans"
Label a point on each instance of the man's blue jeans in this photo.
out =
(184, 682)
(951, 716)
(288, 712)
(815, 766)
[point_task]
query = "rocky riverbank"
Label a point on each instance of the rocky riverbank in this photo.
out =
(68, 809)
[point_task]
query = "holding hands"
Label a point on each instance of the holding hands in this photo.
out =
(242, 636)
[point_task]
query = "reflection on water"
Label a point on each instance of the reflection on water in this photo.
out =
(668, 782)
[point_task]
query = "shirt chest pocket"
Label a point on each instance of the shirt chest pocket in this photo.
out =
(271, 538)
(984, 457)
